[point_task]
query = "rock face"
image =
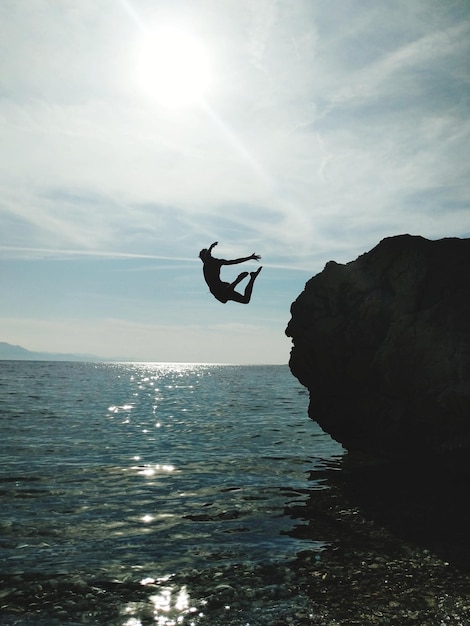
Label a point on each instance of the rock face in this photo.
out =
(383, 345)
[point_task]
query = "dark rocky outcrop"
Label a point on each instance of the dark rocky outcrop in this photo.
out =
(383, 345)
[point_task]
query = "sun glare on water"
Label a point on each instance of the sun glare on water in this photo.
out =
(173, 67)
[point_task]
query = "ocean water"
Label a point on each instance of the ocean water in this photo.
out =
(136, 473)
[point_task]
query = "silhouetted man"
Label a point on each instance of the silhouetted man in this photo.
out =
(222, 291)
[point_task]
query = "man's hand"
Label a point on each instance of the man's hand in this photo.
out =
(216, 243)
(255, 257)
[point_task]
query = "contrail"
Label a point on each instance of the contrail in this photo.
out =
(94, 253)
(133, 13)
(234, 141)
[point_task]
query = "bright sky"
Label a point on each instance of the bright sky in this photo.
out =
(134, 133)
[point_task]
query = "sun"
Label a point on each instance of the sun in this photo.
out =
(173, 67)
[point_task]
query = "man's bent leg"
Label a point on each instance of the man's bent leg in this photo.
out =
(246, 297)
(238, 279)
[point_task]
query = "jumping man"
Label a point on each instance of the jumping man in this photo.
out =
(222, 291)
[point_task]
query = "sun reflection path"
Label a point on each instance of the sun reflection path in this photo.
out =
(168, 607)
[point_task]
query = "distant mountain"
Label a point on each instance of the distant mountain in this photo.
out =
(9, 352)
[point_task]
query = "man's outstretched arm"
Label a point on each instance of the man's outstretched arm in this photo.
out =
(252, 257)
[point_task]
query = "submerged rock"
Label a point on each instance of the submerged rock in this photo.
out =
(383, 345)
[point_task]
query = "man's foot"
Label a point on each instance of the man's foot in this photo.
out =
(255, 274)
(242, 276)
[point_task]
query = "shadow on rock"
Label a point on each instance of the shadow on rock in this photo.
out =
(369, 506)
(427, 505)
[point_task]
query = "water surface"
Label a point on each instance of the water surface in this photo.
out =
(137, 472)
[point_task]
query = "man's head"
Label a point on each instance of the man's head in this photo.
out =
(204, 254)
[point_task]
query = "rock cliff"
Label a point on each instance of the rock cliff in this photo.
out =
(383, 345)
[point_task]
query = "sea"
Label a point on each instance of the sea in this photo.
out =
(120, 483)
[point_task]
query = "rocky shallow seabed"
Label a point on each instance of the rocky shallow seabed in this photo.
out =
(367, 575)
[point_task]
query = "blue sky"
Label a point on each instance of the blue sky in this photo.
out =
(317, 128)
